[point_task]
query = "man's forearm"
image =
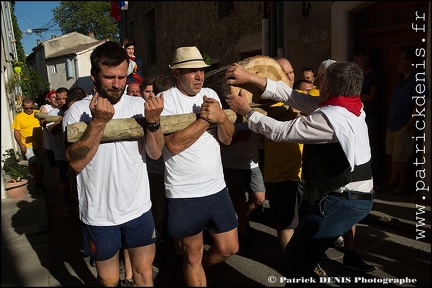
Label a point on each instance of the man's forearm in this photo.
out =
(80, 153)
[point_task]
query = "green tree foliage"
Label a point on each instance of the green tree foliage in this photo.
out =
(30, 81)
(85, 17)
(33, 86)
(18, 35)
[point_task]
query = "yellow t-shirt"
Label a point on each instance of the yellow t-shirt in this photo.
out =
(283, 160)
(314, 92)
(29, 128)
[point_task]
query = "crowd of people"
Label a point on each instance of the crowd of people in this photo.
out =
(130, 196)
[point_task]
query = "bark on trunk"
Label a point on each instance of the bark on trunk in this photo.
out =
(132, 128)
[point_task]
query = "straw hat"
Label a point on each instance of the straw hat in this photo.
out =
(188, 57)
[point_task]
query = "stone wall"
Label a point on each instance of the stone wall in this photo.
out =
(306, 39)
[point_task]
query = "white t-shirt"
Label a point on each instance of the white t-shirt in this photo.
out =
(113, 188)
(196, 171)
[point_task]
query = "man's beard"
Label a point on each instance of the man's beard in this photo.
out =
(113, 96)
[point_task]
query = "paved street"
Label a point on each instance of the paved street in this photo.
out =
(41, 247)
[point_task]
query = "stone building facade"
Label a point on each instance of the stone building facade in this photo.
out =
(305, 32)
(229, 31)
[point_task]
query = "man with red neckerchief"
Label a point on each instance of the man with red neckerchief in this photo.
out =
(336, 155)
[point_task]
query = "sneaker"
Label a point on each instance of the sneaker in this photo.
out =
(245, 246)
(318, 271)
(355, 263)
(92, 262)
(324, 256)
(155, 272)
(126, 283)
(339, 242)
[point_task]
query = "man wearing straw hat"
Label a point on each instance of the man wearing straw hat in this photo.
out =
(197, 196)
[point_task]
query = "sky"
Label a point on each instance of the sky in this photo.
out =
(35, 15)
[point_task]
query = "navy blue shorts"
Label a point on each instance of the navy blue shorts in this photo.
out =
(103, 242)
(189, 216)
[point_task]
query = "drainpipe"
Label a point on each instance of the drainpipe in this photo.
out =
(273, 28)
(265, 30)
(280, 28)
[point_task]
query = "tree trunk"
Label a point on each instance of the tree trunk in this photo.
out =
(133, 128)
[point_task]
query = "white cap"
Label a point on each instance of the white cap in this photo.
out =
(323, 67)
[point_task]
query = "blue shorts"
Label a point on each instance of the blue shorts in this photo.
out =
(103, 242)
(189, 216)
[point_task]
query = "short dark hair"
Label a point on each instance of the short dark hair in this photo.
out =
(299, 82)
(74, 94)
(307, 69)
(28, 101)
(62, 90)
(163, 82)
(110, 54)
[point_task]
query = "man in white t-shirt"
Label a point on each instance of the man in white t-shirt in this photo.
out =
(112, 181)
(47, 137)
(197, 196)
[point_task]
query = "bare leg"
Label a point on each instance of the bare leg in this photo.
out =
(225, 245)
(284, 236)
(141, 259)
(349, 238)
(108, 271)
(127, 264)
(193, 271)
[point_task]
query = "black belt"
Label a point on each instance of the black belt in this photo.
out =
(354, 195)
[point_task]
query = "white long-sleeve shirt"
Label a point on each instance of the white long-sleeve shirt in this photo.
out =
(328, 124)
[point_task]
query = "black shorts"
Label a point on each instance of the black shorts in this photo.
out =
(51, 159)
(63, 170)
(285, 200)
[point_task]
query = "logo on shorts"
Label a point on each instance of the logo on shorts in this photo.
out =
(92, 245)
(154, 234)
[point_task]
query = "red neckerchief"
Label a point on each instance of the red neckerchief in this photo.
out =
(132, 58)
(351, 103)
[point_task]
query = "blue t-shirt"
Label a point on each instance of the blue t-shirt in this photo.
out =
(402, 104)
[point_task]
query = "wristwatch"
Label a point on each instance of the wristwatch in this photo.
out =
(249, 114)
(153, 127)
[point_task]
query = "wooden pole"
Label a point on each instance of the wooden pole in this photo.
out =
(133, 128)
(44, 115)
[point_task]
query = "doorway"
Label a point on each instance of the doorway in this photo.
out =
(385, 30)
